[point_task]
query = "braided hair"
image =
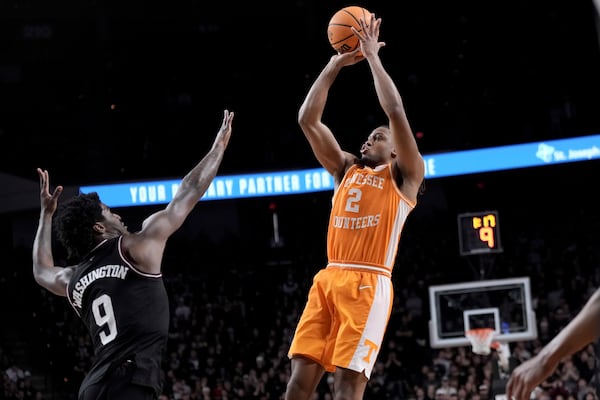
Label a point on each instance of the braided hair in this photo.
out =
(74, 222)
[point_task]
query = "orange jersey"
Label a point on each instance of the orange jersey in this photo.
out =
(350, 301)
(367, 216)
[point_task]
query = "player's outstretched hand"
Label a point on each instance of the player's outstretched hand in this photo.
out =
(368, 36)
(526, 377)
(225, 131)
(48, 201)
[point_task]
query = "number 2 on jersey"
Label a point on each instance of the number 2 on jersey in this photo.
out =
(354, 196)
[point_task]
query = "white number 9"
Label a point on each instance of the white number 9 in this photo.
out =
(104, 315)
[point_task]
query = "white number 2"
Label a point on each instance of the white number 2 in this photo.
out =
(354, 196)
(104, 315)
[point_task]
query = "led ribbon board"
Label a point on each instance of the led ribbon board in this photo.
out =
(535, 154)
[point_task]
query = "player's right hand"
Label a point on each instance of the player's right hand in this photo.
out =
(348, 58)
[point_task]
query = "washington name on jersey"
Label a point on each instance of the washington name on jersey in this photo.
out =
(106, 271)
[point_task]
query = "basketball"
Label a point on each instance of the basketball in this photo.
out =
(340, 36)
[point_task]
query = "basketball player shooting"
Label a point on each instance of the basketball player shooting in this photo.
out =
(344, 320)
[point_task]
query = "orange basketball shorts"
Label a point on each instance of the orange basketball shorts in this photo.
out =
(344, 319)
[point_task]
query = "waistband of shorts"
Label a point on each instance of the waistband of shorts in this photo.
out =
(361, 267)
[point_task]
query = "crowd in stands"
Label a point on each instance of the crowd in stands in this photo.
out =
(232, 321)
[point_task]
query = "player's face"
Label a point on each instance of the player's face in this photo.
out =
(112, 222)
(378, 148)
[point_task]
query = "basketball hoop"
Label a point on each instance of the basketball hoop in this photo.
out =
(481, 340)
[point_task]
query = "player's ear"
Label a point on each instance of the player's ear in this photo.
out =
(99, 227)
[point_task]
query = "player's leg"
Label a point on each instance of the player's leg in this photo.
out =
(310, 350)
(349, 385)
(306, 375)
(364, 304)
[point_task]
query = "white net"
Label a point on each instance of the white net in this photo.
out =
(481, 340)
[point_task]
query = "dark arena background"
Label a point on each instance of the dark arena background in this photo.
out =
(102, 92)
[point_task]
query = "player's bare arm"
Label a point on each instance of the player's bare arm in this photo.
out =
(46, 274)
(145, 248)
(321, 139)
(409, 160)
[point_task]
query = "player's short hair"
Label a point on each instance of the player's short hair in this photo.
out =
(74, 222)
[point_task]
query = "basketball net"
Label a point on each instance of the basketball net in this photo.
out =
(481, 340)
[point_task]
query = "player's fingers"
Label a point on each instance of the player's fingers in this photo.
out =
(359, 34)
(519, 392)
(375, 26)
(515, 388)
(225, 121)
(352, 53)
(364, 27)
(57, 191)
(509, 389)
(41, 176)
(362, 23)
(229, 121)
(371, 23)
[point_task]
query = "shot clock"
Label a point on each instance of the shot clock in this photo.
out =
(479, 233)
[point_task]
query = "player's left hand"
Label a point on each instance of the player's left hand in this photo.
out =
(368, 37)
(48, 201)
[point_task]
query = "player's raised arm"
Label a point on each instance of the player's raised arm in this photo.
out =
(45, 273)
(146, 247)
(320, 137)
(408, 158)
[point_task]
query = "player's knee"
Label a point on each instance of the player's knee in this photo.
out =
(348, 393)
(349, 385)
(296, 389)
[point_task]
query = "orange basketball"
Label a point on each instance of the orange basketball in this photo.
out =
(340, 36)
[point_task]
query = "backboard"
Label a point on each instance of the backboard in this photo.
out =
(502, 304)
